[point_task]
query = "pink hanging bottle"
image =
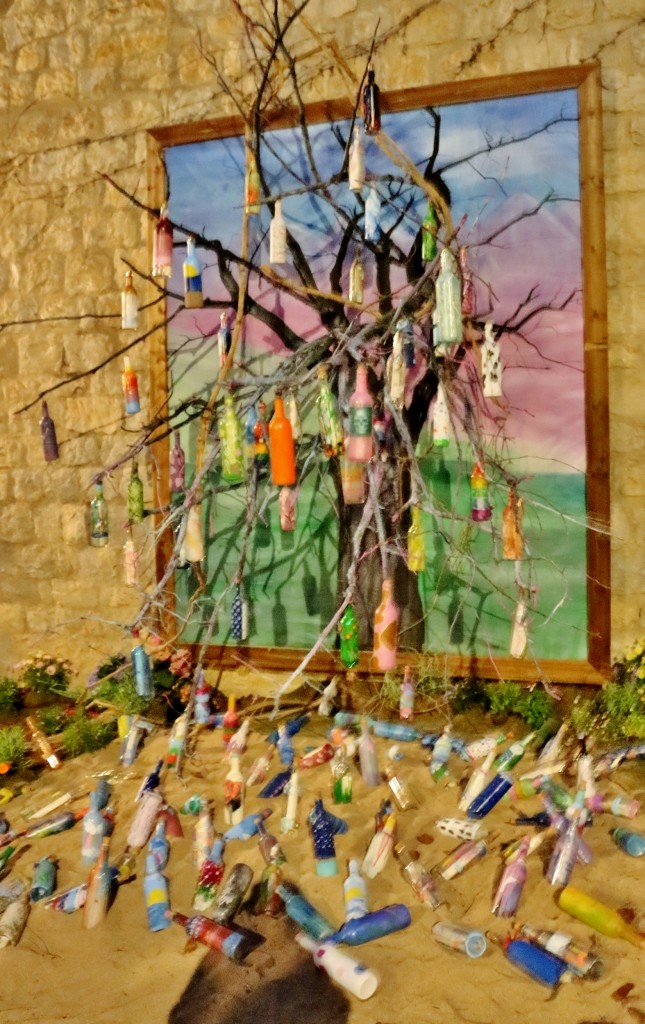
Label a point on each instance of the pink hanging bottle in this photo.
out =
(360, 445)
(162, 246)
(385, 630)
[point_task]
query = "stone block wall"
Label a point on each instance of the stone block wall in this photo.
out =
(81, 83)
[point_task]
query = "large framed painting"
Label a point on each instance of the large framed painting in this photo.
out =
(513, 173)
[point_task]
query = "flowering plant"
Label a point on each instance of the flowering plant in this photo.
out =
(43, 673)
(630, 667)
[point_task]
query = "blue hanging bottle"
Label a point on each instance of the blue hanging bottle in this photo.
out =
(142, 670)
(239, 615)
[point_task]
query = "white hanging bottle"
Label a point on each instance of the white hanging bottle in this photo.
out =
(492, 368)
(440, 419)
(373, 216)
(448, 321)
(129, 305)
(357, 161)
(278, 235)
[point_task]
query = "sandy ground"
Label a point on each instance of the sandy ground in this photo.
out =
(121, 973)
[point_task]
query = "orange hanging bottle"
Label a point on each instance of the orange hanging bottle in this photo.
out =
(281, 446)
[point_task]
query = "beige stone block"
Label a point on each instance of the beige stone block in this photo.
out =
(31, 56)
(6, 485)
(75, 521)
(137, 109)
(81, 350)
(84, 451)
(566, 14)
(68, 50)
(20, 89)
(103, 415)
(29, 484)
(14, 620)
(53, 84)
(14, 451)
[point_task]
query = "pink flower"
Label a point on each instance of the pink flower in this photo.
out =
(181, 663)
(51, 670)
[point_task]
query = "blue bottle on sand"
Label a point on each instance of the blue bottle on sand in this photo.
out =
(155, 888)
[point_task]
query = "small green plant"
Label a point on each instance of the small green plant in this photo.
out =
(84, 735)
(45, 674)
(13, 746)
(120, 694)
(51, 720)
(585, 715)
(535, 707)
(10, 695)
(503, 698)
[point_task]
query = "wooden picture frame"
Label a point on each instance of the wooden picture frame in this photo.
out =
(585, 81)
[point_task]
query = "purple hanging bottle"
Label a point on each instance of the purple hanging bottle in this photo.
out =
(177, 465)
(48, 432)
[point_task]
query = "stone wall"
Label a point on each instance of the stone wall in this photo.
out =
(81, 82)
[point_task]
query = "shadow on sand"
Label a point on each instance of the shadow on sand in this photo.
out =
(276, 983)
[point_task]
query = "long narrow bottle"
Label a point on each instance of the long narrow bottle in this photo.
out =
(371, 105)
(99, 533)
(162, 246)
(356, 161)
(231, 444)
(385, 630)
(360, 446)
(367, 757)
(135, 496)
(449, 326)
(130, 388)
(193, 295)
(129, 305)
(329, 423)
(48, 434)
(599, 916)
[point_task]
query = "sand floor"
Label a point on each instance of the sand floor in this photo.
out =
(121, 973)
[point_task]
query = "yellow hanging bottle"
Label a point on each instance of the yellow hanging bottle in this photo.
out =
(416, 542)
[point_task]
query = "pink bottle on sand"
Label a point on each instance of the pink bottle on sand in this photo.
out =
(360, 444)
(385, 630)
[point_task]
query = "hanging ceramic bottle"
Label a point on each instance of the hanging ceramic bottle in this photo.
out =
(99, 533)
(261, 437)
(223, 338)
(467, 287)
(162, 246)
(395, 371)
(356, 161)
(448, 326)
(239, 615)
(385, 630)
(231, 444)
(416, 542)
(429, 234)
(480, 505)
(251, 184)
(193, 296)
(348, 632)
(281, 446)
(129, 305)
(352, 478)
(492, 369)
(357, 280)
(130, 388)
(512, 537)
(440, 419)
(371, 105)
(329, 423)
(130, 560)
(520, 627)
(177, 465)
(293, 415)
(135, 496)
(288, 501)
(48, 434)
(372, 230)
(141, 669)
(406, 702)
(192, 546)
(278, 236)
(360, 446)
